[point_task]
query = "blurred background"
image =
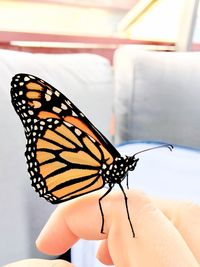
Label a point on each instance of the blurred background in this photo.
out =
(98, 26)
(138, 59)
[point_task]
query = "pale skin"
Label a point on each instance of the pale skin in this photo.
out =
(167, 232)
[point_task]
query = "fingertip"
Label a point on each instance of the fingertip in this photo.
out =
(56, 237)
(103, 254)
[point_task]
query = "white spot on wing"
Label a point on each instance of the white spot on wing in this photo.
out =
(49, 92)
(68, 102)
(56, 109)
(31, 77)
(78, 132)
(104, 166)
(26, 79)
(74, 114)
(47, 97)
(67, 124)
(30, 112)
(57, 93)
(63, 106)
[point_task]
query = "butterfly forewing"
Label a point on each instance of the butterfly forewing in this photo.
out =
(64, 152)
(48, 102)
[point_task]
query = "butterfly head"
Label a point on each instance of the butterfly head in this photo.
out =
(131, 162)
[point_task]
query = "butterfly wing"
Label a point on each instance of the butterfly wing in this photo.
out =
(64, 151)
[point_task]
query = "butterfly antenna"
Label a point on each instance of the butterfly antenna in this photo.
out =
(170, 147)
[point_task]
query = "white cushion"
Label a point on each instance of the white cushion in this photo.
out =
(157, 96)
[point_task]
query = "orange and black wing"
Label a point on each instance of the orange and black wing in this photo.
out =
(65, 152)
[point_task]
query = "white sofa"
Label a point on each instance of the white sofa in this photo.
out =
(156, 98)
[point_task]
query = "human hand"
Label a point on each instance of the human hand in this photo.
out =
(167, 232)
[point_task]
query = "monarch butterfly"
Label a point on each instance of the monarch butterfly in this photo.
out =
(66, 155)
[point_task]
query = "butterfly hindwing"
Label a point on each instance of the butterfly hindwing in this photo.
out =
(64, 152)
(63, 168)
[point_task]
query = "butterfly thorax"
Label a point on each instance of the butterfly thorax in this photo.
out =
(117, 171)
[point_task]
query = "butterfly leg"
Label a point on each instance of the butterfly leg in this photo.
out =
(127, 210)
(127, 184)
(100, 206)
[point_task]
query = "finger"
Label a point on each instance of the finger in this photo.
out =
(186, 217)
(40, 263)
(187, 222)
(79, 218)
(157, 242)
(56, 238)
(103, 254)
